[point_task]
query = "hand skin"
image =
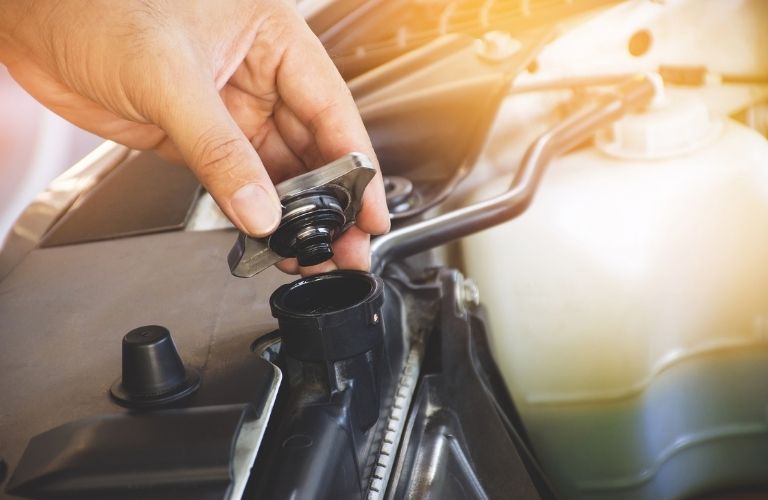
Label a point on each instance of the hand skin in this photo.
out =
(240, 90)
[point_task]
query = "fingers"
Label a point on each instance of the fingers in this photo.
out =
(289, 266)
(279, 159)
(297, 136)
(353, 250)
(222, 158)
(330, 115)
(323, 267)
(257, 123)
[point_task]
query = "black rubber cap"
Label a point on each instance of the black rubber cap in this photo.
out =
(316, 219)
(314, 252)
(153, 373)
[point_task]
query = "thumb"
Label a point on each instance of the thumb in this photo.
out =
(221, 157)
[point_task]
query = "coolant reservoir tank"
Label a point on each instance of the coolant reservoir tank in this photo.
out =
(629, 308)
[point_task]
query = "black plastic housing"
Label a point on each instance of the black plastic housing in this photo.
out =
(329, 317)
(333, 357)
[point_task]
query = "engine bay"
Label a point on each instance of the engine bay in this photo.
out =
(571, 302)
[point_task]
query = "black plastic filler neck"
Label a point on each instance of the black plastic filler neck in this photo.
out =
(329, 317)
(334, 362)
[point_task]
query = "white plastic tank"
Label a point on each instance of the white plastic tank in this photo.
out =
(629, 308)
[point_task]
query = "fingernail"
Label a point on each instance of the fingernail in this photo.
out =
(256, 210)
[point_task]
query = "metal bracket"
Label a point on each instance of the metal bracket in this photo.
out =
(346, 178)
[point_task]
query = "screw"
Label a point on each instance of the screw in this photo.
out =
(470, 293)
(467, 294)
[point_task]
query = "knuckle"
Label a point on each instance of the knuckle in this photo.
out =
(217, 155)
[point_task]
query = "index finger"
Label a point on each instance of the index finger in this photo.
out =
(313, 89)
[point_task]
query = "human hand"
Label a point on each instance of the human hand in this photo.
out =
(240, 90)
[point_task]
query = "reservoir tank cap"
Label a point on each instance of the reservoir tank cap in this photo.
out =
(675, 126)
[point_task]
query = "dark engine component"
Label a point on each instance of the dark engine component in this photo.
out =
(340, 427)
(460, 440)
(185, 453)
(400, 194)
(153, 373)
(334, 320)
(141, 195)
(342, 338)
(332, 346)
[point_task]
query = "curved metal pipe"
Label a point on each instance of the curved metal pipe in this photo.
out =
(635, 93)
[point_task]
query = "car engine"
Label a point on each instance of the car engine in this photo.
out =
(572, 301)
